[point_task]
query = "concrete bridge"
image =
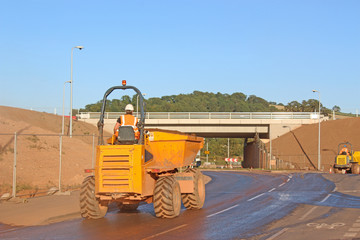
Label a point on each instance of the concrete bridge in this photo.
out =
(267, 125)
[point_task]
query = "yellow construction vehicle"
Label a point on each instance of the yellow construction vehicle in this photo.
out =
(153, 168)
(347, 161)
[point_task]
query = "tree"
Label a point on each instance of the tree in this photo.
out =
(293, 106)
(336, 108)
(310, 105)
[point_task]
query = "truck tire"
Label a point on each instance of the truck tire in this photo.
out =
(355, 168)
(127, 207)
(196, 199)
(90, 207)
(167, 197)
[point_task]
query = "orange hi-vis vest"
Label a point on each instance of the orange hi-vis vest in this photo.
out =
(130, 120)
(345, 150)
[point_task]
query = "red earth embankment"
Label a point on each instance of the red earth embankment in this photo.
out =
(300, 146)
(38, 150)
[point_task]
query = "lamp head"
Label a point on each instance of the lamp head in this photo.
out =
(80, 47)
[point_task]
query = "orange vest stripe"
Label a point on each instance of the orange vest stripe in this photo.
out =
(126, 120)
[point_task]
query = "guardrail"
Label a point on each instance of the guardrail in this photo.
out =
(207, 115)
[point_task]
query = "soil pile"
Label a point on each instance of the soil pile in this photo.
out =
(300, 146)
(38, 150)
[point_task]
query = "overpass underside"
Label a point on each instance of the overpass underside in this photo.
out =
(218, 128)
(219, 131)
(216, 125)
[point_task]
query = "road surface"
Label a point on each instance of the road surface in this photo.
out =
(239, 205)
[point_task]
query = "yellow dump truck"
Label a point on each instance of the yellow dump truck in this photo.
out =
(347, 161)
(152, 169)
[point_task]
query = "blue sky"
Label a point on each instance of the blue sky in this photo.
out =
(278, 50)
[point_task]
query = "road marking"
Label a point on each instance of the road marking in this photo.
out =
(255, 197)
(223, 210)
(282, 184)
(306, 214)
(288, 180)
(172, 229)
(9, 230)
(325, 225)
(334, 189)
(350, 234)
(277, 234)
(325, 198)
(354, 230)
(271, 190)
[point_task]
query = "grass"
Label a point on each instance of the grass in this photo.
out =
(5, 151)
(24, 186)
(5, 188)
(35, 146)
(33, 139)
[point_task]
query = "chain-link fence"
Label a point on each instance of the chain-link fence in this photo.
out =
(38, 162)
(303, 161)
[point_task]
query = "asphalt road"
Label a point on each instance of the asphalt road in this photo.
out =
(239, 205)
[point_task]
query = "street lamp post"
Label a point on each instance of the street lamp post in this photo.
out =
(137, 104)
(71, 86)
(228, 152)
(319, 154)
(63, 110)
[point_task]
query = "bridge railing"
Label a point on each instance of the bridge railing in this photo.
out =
(207, 115)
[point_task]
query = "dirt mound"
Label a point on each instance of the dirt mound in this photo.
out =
(300, 146)
(38, 150)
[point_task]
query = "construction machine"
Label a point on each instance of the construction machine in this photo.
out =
(347, 161)
(151, 169)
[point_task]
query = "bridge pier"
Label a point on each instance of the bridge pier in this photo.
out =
(255, 154)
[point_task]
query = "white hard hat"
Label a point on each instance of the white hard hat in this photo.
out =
(129, 107)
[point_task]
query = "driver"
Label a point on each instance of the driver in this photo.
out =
(344, 151)
(127, 120)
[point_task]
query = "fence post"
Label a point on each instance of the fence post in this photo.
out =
(14, 168)
(93, 152)
(60, 147)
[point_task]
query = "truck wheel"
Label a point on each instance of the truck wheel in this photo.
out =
(355, 168)
(90, 207)
(196, 199)
(127, 207)
(167, 200)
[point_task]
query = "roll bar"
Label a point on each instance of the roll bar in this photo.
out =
(141, 123)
